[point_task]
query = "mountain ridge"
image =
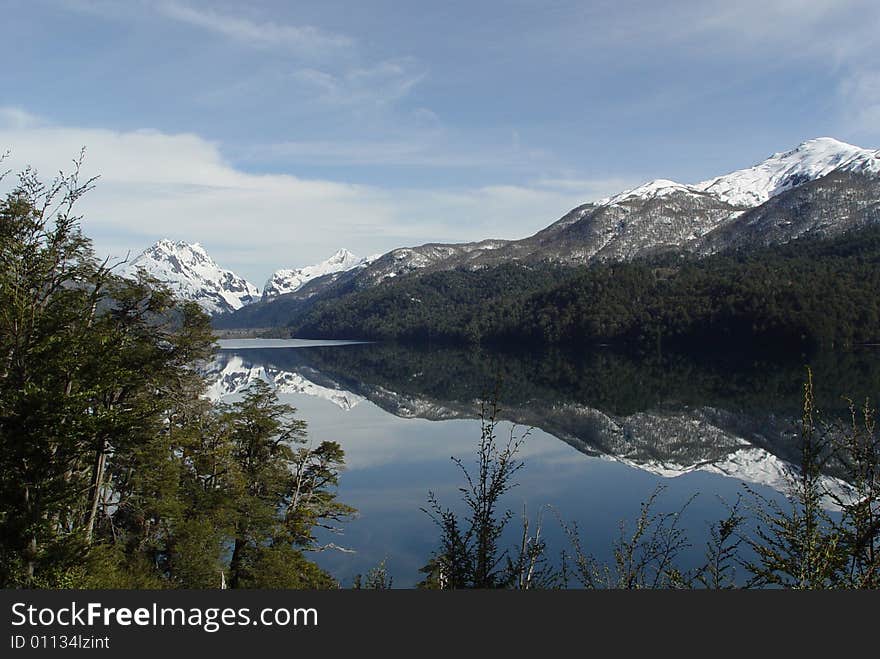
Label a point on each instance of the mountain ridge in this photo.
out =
(661, 215)
(821, 187)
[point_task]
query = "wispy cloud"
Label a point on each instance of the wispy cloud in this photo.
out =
(302, 39)
(435, 149)
(383, 83)
(156, 184)
(589, 189)
(838, 37)
(330, 68)
(730, 44)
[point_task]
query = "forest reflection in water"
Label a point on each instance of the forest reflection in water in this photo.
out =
(627, 424)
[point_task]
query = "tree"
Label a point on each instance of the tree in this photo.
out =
(90, 363)
(470, 555)
(283, 489)
(798, 545)
(115, 471)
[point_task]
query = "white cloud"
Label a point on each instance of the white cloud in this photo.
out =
(837, 36)
(588, 188)
(307, 39)
(742, 40)
(415, 149)
(179, 186)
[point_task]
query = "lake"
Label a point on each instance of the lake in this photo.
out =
(605, 430)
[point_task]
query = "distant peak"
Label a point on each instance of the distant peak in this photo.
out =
(193, 275)
(288, 280)
(168, 246)
(810, 160)
(657, 187)
(167, 243)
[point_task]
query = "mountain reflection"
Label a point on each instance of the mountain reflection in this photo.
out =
(734, 416)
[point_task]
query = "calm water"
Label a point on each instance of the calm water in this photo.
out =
(606, 431)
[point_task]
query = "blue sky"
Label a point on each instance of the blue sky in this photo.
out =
(276, 132)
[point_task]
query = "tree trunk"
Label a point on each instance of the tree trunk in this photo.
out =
(96, 487)
(235, 563)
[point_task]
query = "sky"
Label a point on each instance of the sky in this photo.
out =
(275, 133)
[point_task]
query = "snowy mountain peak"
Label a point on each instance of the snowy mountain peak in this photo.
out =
(866, 162)
(750, 187)
(288, 280)
(657, 188)
(342, 256)
(782, 171)
(188, 270)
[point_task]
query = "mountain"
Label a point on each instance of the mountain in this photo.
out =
(290, 293)
(821, 188)
(290, 280)
(193, 275)
(784, 171)
(815, 291)
(845, 199)
(664, 215)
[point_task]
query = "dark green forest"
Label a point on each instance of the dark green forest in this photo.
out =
(799, 296)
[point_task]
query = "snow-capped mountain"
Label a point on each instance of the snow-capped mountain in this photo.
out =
(811, 160)
(193, 275)
(289, 280)
(780, 172)
(703, 217)
(823, 187)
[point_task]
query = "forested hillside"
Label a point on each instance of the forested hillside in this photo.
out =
(801, 295)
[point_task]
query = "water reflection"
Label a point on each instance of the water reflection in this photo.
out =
(639, 420)
(667, 416)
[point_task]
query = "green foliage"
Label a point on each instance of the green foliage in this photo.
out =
(802, 545)
(282, 489)
(452, 306)
(808, 293)
(826, 534)
(115, 471)
(860, 504)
